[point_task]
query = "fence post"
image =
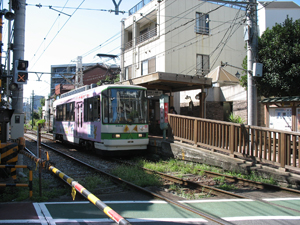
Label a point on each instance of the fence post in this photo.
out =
(282, 151)
(195, 131)
(231, 140)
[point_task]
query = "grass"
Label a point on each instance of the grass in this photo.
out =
(93, 182)
(188, 194)
(137, 176)
(182, 167)
(9, 193)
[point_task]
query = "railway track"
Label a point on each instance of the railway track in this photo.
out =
(185, 182)
(133, 186)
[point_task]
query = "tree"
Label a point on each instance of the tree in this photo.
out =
(110, 79)
(42, 101)
(279, 51)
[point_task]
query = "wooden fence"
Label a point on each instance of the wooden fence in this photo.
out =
(275, 147)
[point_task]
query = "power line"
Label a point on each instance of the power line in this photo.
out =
(90, 9)
(59, 31)
(48, 32)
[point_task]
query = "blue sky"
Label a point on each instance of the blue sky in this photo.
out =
(54, 38)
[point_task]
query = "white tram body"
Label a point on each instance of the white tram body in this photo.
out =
(107, 118)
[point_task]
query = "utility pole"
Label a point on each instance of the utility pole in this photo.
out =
(17, 120)
(32, 106)
(79, 73)
(252, 45)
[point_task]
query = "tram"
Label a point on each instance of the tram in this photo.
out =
(107, 118)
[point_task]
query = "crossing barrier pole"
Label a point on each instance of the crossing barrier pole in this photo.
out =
(88, 195)
(82, 190)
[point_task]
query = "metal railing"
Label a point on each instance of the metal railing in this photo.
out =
(144, 37)
(128, 45)
(275, 147)
(138, 6)
(140, 39)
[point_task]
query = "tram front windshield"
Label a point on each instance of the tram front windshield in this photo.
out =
(125, 106)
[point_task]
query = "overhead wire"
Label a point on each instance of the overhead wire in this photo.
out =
(48, 32)
(184, 44)
(59, 31)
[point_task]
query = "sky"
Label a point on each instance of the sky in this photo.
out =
(61, 30)
(54, 38)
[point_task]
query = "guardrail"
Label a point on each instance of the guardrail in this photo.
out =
(276, 147)
(19, 184)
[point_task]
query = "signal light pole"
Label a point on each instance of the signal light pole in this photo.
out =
(17, 120)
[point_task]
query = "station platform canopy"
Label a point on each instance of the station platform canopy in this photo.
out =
(170, 82)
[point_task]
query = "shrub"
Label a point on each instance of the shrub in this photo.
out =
(235, 119)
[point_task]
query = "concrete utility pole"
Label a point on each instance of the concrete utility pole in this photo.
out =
(79, 73)
(17, 120)
(252, 45)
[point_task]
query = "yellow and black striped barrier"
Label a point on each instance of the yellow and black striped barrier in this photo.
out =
(76, 186)
(9, 156)
(88, 195)
(16, 184)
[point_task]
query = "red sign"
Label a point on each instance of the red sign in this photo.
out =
(166, 112)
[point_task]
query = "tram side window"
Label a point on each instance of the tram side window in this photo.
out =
(85, 110)
(59, 113)
(105, 109)
(92, 109)
(65, 112)
(72, 111)
(96, 108)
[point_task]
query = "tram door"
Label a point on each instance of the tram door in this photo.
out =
(79, 119)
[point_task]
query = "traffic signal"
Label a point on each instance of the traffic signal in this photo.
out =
(21, 74)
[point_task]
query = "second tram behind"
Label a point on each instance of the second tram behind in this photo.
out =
(107, 118)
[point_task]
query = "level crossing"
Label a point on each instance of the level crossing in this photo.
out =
(234, 211)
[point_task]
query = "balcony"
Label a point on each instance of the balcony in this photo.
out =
(140, 39)
(147, 35)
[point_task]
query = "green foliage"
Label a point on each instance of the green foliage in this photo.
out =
(279, 51)
(8, 194)
(94, 182)
(41, 122)
(235, 119)
(243, 80)
(35, 115)
(40, 112)
(136, 175)
(227, 187)
(42, 101)
(114, 79)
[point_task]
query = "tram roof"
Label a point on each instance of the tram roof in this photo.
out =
(170, 82)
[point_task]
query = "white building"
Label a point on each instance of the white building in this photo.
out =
(180, 41)
(269, 13)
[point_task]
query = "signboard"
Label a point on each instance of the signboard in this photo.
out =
(164, 110)
(281, 118)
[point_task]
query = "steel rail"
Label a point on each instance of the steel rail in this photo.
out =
(78, 187)
(186, 182)
(257, 184)
(119, 180)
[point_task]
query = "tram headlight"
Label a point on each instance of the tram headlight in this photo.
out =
(116, 135)
(142, 135)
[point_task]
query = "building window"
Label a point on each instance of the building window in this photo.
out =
(128, 72)
(149, 66)
(202, 23)
(202, 66)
